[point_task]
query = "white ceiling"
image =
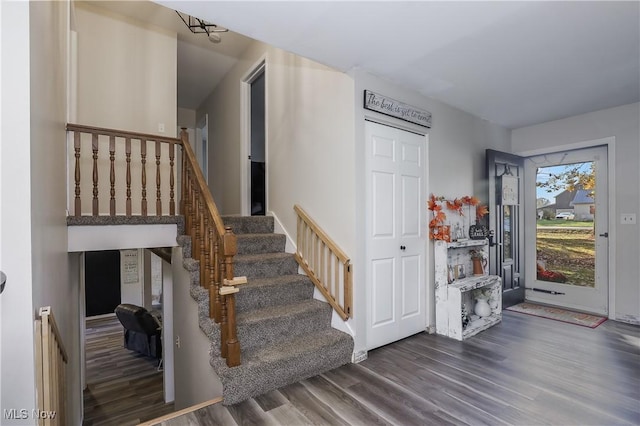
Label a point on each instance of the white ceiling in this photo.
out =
(512, 63)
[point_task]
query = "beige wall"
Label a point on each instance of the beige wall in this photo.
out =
(310, 151)
(623, 123)
(186, 118)
(52, 284)
(195, 379)
(126, 72)
(127, 79)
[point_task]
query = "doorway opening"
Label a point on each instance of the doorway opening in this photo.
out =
(565, 233)
(570, 232)
(254, 142)
(114, 364)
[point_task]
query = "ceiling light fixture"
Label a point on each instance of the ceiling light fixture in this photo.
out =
(198, 26)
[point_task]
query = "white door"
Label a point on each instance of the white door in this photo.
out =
(396, 244)
(572, 252)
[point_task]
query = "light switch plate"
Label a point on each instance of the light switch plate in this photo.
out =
(628, 218)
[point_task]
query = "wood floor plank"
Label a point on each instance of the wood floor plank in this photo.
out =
(315, 410)
(350, 409)
(524, 371)
(123, 388)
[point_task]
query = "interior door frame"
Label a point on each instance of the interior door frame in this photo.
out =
(428, 276)
(610, 143)
(245, 134)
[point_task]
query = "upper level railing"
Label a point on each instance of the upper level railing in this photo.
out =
(117, 161)
(119, 180)
(325, 263)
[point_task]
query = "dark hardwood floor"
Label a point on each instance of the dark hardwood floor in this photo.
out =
(524, 371)
(123, 388)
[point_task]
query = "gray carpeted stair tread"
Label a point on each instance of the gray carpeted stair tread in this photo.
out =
(309, 343)
(283, 363)
(273, 312)
(269, 326)
(285, 335)
(260, 243)
(265, 265)
(249, 224)
(274, 324)
(259, 293)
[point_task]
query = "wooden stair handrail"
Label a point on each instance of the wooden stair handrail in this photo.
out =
(120, 133)
(214, 245)
(322, 269)
(190, 157)
(323, 235)
(51, 360)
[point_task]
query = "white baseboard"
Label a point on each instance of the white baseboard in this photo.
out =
(629, 319)
(290, 246)
(359, 356)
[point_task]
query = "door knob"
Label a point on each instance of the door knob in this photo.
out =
(403, 248)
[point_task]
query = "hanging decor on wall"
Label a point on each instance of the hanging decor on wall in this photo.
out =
(508, 190)
(385, 105)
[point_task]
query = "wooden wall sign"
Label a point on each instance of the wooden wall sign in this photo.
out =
(509, 190)
(385, 105)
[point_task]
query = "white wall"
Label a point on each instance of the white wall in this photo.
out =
(17, 368)
(127, 79)
(194, 378)
(456, 167)
(623, 123)
(34, 228)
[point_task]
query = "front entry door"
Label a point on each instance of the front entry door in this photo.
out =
(396, 243)
(571, 251)
(505, 173)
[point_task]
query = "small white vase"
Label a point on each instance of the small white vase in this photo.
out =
(482, 308)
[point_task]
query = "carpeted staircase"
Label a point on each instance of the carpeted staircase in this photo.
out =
(285, 334)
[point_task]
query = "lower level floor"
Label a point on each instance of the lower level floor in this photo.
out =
(523, 371)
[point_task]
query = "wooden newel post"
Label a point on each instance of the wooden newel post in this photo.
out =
(230, 247)
(232, 351)
(215, 303)
(233, 347)
(224, 329)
